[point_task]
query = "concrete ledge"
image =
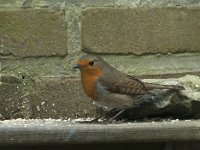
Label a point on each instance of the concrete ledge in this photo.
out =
(60, 132)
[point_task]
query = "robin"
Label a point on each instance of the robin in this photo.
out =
(111, 88)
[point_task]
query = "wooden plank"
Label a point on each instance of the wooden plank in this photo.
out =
(44, 132)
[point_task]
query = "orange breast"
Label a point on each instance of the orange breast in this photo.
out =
(89, 85)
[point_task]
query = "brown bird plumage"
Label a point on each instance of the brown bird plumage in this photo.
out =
(111, 88)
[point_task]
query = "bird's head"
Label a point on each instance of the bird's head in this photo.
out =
(90, 64)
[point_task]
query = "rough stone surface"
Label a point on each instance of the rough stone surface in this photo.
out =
(15, 97)
(61, 98)
(26, 33)
(43, 97)
(141, 30)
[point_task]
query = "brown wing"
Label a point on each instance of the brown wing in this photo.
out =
(130, 85)
(126, 85)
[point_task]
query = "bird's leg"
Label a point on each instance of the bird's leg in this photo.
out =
(115, 116)
(101, 116)
(104, 115)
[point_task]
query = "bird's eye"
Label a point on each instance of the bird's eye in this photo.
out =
(91, 63)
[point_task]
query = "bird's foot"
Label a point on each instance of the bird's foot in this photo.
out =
(106, 118)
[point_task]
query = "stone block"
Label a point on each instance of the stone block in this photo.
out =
(26, 33)
(141, 30)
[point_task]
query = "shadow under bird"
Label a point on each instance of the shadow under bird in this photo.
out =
(111, 88)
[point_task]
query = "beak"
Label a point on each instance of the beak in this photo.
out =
(76, 66)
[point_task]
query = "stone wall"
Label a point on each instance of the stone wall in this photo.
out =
(40, 40)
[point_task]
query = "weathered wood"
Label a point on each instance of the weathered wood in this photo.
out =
(66, 132)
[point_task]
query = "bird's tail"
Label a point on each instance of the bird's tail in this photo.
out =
(151, 86)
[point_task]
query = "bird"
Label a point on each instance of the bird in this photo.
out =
(111, 88)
